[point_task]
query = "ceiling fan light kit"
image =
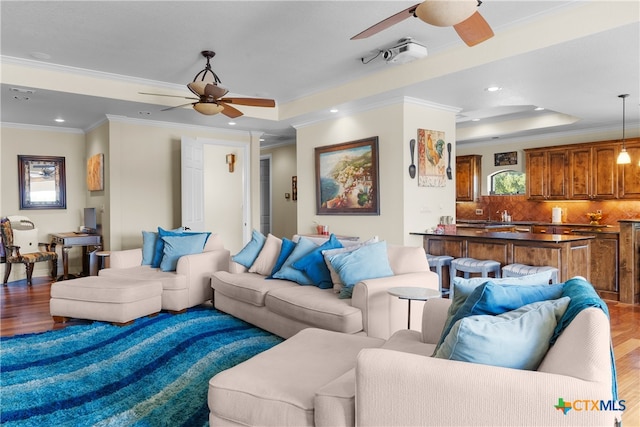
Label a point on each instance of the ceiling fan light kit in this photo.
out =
(461, 14)
(445, 13)
(210, 101)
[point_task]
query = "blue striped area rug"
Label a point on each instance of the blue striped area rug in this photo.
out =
(154, 372)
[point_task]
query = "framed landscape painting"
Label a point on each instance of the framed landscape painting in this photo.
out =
(347, 178)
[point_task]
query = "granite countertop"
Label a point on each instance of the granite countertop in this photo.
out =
(578, 227)
(533, 237)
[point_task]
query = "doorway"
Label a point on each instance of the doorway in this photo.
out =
(265, 194)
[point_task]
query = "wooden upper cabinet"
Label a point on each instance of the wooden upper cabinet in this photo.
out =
(468, 178)
(629, 175)
(547, 174)
(593, 172)
(583, 172)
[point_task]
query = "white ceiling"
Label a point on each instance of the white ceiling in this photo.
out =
(571, 57)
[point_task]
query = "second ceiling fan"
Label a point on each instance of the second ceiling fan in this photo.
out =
(210, 101)
(461, 14)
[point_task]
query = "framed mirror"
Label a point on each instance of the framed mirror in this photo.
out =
(42, 182)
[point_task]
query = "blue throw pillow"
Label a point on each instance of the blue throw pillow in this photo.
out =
(285, 250)
(493, 299)
(287, 272)
(159, 248)
(368, 262)
(177, 246)
(313, 264)
(250, 252)
(148, 246)
(517, 339)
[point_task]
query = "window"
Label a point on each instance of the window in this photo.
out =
(507, 182)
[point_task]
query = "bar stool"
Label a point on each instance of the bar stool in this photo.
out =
(472, 265)
(517, 270)
(436, 262)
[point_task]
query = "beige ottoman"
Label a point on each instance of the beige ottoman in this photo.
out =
(106, 299)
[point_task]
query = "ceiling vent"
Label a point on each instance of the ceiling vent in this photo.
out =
(406, 51)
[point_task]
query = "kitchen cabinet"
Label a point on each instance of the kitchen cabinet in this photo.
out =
(629, 175)
(593, 172)
(551, 229)
(468, 178)
(604, 263)
(547, 174)
(583, 172)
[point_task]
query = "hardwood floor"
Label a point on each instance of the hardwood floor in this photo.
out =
(25, 310)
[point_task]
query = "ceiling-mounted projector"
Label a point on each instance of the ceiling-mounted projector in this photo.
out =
(406, 51)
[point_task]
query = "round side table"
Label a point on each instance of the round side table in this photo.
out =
(411, 294)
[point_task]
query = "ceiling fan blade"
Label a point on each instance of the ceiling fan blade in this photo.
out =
(171, 96)
(386, 23)
(474, 30)
(177, 106)
(254, 102)
(230, 111)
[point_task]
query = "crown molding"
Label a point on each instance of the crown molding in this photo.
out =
(23, 126)
(88, 73)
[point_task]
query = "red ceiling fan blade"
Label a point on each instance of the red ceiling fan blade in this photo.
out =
(386, 23)
(254, 102)
(230, 111)
(474, 30)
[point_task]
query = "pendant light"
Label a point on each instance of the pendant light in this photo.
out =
(623, 157)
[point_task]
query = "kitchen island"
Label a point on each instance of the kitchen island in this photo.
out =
(570, 254)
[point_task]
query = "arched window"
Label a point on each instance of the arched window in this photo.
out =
(507, 182)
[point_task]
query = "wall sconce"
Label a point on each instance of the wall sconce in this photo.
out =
(231, 161)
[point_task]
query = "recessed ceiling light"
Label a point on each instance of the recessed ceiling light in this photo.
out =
(539, 109)
(333, 110)
(232, 123)
(261, 139)
(493, 88)
(59, 120)
(475, 120)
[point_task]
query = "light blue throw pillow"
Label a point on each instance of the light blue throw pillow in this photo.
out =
(251, 250)
(517, 339)
(285, 250)
(159, 248)
(314, 266)
(368, 262)
(493, 299)
(177, 246)
(148, 246)
(287, 272)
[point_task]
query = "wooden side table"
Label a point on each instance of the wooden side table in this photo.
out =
(410, 294)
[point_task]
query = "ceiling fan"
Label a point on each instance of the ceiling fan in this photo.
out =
(210, 101)
(461, 14)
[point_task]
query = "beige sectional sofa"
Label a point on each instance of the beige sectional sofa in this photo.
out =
(324, 378)
(284, 307)
(187, 286)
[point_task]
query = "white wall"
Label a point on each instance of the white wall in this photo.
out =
(404, 207)
(66, 143)
(224, 196)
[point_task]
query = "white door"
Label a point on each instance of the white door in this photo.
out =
(192, 163)
(214, 199)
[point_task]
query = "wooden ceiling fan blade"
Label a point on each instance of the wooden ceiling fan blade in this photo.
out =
(474, 30)
(230, 111)
(177, 106)
(171, 96)
(386, 23)
(253, 102)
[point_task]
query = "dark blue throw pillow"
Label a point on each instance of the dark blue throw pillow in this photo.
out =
(314, 266)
